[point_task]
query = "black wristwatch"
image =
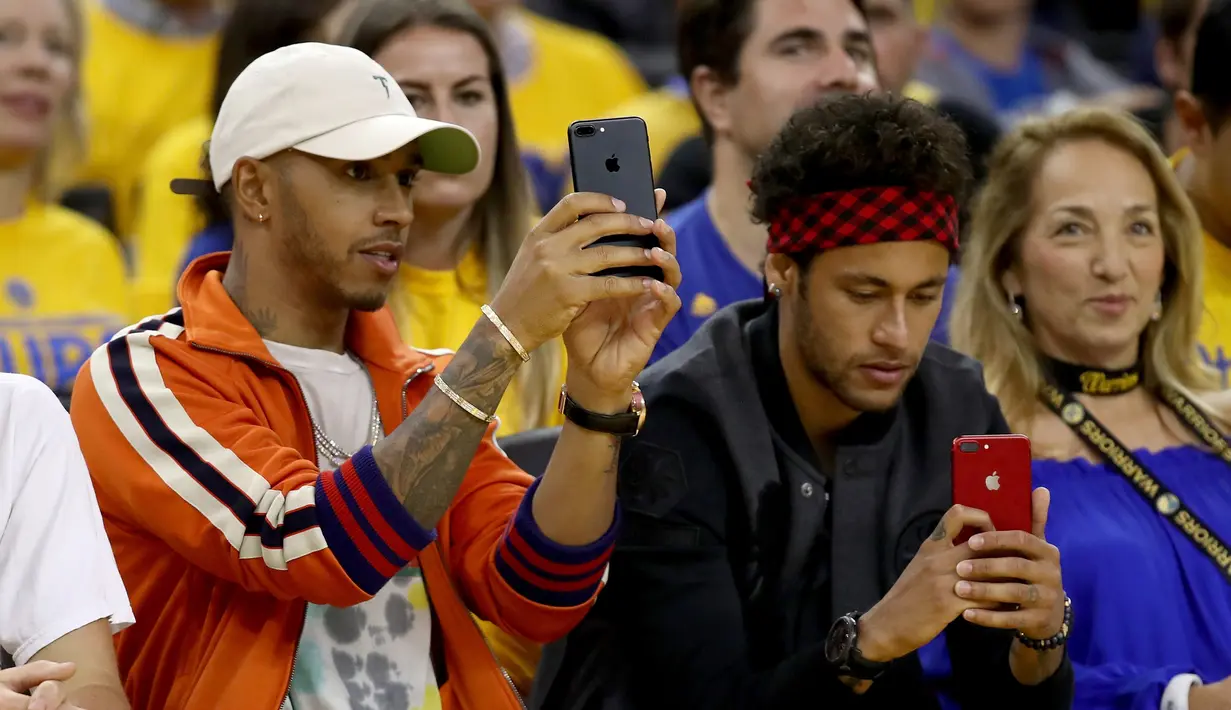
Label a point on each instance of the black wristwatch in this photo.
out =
(842, 650)
(625, 424)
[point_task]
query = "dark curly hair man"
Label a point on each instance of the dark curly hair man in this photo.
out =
(789, 536)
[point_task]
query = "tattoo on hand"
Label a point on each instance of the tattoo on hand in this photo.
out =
(427, 456)
(1032, 594)
(939, 532)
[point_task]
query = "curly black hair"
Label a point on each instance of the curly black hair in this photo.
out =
(852, 141)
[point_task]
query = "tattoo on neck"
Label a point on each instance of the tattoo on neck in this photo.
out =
(426, 458)
(262, 318)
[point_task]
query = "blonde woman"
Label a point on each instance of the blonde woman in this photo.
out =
(63, 288)
(1080, 295)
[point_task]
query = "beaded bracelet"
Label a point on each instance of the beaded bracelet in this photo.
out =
(1058, 639)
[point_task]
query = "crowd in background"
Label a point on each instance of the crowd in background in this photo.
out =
(104, 104)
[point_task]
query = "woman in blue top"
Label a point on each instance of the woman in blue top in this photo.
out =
(1081, 297)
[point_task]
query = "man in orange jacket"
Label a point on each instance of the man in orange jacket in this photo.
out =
(304, 510)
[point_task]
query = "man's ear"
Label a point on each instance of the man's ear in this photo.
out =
(1193, 124)
(712, 96)
(782, 271)
(252, 186)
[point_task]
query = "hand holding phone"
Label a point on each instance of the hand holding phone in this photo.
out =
(1013, 577)
(611, 156)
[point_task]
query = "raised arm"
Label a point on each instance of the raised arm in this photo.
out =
(610, 326)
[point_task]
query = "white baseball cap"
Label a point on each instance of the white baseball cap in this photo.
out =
(329, 101)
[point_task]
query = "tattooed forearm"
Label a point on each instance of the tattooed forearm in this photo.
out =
(426, 457)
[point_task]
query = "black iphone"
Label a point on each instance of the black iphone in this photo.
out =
(611, 156)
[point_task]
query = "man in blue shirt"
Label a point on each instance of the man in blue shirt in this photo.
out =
(750, 65)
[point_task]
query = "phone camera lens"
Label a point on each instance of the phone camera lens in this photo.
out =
(968, 447)
(585, 131)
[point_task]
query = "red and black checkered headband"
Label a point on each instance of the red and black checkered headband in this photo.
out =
(867, 215)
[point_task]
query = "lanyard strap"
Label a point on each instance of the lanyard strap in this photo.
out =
(1139, 476)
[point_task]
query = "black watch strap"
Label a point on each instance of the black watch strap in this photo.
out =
(842, 650)
(623, 424)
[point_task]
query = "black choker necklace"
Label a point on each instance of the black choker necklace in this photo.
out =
(1092, 380)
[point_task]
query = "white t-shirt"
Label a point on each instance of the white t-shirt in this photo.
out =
(374, 655)
(57, 571)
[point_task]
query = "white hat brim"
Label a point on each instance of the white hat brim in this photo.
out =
(444, 147)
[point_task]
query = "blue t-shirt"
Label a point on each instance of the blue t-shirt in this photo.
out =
(713, 277)
(1010, 90)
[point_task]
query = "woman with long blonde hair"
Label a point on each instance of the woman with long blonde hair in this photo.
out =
(63, 285)
(1080, 295)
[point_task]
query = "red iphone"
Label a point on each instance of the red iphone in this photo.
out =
(992, 473)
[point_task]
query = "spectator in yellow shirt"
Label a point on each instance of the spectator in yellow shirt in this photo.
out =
(557, 74)
(1204, 112)
(165, 223)
(62, 282)
(149, 66)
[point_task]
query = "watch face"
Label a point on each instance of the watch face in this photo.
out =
(841, 638)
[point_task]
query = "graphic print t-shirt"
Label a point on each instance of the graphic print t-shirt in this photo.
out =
(374, 655)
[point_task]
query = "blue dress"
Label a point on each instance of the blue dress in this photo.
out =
(1147, 604)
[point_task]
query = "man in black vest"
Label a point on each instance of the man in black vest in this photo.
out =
(789, 533)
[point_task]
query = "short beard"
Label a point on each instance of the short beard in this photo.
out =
(305, 253)
(813, 347)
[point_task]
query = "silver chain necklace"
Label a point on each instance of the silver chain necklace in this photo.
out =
(336, 454)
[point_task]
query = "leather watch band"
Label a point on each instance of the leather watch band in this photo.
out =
(624, 424)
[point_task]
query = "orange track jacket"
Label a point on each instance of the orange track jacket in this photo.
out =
(201, 450)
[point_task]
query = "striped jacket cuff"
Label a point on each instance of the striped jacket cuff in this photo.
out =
(546, 572)
(370, 533)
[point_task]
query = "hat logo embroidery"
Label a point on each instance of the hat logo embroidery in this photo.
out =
(384, 81)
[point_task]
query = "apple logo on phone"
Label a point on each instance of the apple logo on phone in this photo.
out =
(993, 482)
(613, 164)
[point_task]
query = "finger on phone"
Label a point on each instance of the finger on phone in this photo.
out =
(601, 257)
(672, 275)
(998, 592)
(576, 205)
(960, 517)
(49, 695)
(1040, 502)
(23, 678)
(666, 237)
(660, 199)
(1002, 568)
(599, 288)
(1010, 542)
(596, 226)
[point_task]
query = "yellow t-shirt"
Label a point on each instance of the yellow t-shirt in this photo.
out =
(572, 74)
(136, 87)
(166, 222)
(1215, 335)
(65, 292)
(1214, 338)
(438, 309)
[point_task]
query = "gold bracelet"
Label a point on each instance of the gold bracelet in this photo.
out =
(508, 334)
(457, 399)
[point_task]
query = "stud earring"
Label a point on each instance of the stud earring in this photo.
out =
(775, 291)
(1014, 307)
(260, 217)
